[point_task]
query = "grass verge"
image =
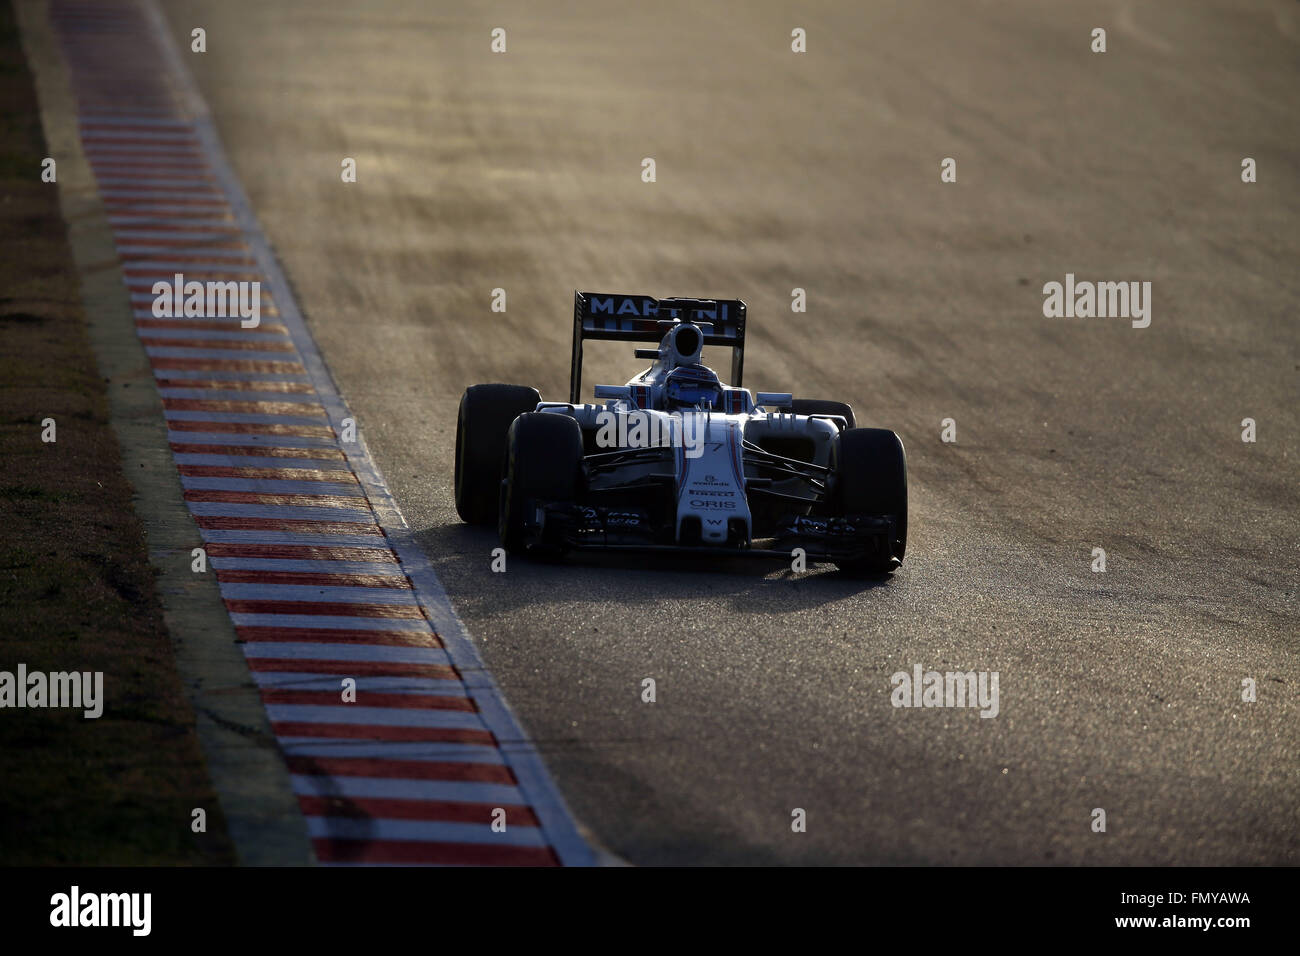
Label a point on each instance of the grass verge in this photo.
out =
(76, 588)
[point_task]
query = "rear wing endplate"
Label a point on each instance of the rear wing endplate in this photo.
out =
(635, 318)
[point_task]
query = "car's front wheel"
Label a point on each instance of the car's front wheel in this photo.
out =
(543, 465)
(870, 478)
(486, 412)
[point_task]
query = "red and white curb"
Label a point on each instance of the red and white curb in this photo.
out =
(315, 563)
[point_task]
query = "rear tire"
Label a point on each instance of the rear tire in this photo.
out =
(871, 479)
(486, 412)
(821, 406)
(543, 464)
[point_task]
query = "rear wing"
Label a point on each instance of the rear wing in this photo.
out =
(642, 318)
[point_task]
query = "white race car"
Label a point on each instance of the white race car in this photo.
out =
(676, 461)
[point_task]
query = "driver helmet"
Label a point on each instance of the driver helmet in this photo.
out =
(693, 386)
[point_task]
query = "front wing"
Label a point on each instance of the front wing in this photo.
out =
(581, 527)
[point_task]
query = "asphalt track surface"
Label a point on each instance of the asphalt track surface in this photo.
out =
(777, 170)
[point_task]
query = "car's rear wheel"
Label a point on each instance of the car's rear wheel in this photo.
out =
(821, 406)
(870, 478)
(543, 464)
(486, 412)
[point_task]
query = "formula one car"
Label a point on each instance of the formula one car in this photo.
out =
(676, 461)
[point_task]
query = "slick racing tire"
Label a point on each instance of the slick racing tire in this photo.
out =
(543, 464)
(821, 406)
(871, 479)
(486, 412)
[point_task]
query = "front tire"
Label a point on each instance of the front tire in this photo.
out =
(543, 464)
(871, 479)
(486, 412)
